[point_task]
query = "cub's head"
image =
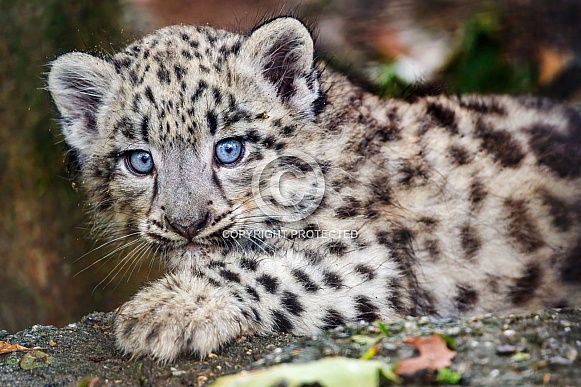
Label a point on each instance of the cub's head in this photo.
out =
(172, 132)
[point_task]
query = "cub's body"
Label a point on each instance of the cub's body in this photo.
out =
(283, 198)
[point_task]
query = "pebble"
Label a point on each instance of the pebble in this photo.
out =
(558, 360)
(509, 333)
(505, 350)
(570, 352)
(390, 346)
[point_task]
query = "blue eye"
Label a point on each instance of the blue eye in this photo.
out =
(140, 162)
(228, 151)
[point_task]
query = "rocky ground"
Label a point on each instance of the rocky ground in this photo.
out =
(533, 349)
(538, 349)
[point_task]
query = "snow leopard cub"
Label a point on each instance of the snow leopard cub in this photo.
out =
(285, 199)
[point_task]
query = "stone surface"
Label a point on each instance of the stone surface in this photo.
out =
(546, 347)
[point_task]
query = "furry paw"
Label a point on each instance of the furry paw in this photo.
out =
(177, 315)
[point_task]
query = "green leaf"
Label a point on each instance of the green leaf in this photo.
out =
(370, 354)
(450, 341)
(447, 376)
(366, 340)
(35, 359)
(331, 372)
(383, 329)
(518, 357)
(481, 65)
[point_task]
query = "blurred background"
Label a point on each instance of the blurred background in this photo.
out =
(395, 48)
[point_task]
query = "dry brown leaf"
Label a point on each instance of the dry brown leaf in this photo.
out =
(434, 354)
(6, 347)
(95, 382)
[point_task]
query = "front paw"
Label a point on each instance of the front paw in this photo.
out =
(172, 317)
(154, 331)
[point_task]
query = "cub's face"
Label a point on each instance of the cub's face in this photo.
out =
(192, 133)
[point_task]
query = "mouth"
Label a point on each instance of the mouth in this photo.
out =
(188, 256)
(195, 247)
(192, 247)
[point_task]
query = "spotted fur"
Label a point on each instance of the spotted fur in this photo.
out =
(455, 205)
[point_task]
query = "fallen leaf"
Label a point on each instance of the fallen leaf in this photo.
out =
(90, 382)
(371, 352)
(520, 356)
(35, 359)
(6, 347)
(332, 371)
(95, 382)
(450, 341)
(434, 354)
(447, 376)
(366, 340)
(383, 329)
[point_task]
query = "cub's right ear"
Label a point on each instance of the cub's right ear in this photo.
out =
(79, 84)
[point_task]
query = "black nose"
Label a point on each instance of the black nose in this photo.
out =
(186, 230)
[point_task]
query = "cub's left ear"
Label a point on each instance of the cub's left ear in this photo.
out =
(282, 50)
